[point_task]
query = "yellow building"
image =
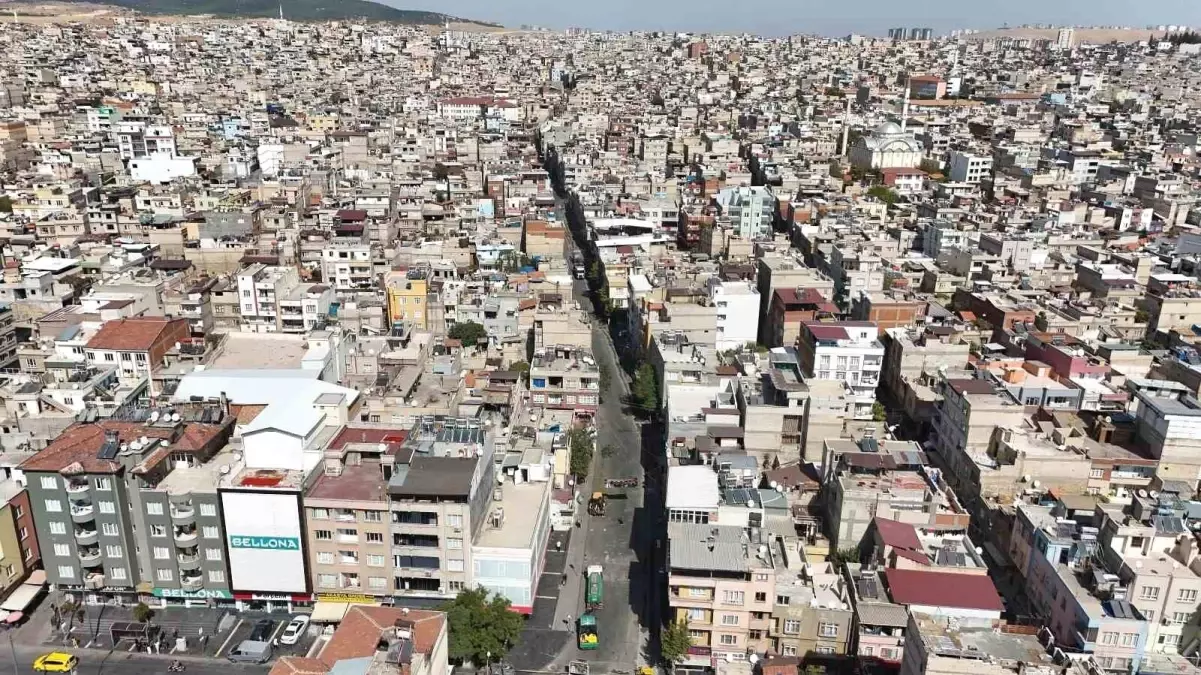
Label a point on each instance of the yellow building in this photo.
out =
(406, 297)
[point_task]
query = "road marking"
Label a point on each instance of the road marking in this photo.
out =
(547, 597)
(277, 630)
(229, 639)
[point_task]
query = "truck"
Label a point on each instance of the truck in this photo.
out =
(577, 265)
(594, 596)
(586, 631)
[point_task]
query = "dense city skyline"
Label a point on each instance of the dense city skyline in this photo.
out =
(774, 17)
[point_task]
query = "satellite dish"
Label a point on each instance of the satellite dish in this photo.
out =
(1142, 493)
(224, 469)
(775, 485)
(1035, 484)
(750, 503)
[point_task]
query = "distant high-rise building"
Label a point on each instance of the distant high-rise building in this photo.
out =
(1065, 38)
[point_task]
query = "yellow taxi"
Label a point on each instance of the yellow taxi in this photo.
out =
(55, 662)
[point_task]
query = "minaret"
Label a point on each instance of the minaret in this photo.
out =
(846, 128)
(281, 10)
(905, 107)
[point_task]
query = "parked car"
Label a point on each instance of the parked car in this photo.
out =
(261, 631)
(295, 629)
(55, 662)
(250, 651)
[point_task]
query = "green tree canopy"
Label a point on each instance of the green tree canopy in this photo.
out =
(645, 391)
(582, 448)
(878, 412)
(469, 333)
(674, 642)
(6, 204)
(883, 193)
(479, 625)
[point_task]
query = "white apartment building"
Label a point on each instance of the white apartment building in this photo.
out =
(347, 266)
(137, 140)
(845, 351)
(750, 210)
(737, 304)
(966, 167)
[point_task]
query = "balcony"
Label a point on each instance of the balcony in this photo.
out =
(90, 557)
(93, 581)
(83, 513)
(192, 583)
(78, 487)
(185, 537)
(188, 561)
(183, 514)
(85, 537)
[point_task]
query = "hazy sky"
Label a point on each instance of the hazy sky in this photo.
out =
(829, 17)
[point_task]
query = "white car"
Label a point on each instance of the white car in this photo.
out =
(295, 629)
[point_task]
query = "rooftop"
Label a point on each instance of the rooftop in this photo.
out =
(259, 350)
(363, 482)
(521, 509)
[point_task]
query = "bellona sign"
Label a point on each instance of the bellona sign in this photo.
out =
(270, 543)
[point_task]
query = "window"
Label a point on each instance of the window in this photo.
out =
(1149, 593)
(1169, 639)
(761, 577)
(789, 650)
(210, 532)
(1096, 473)
(376, 560)
(454, 543)
(1129, 639)
(782, 599)
(792, 626)
(161, 553)
(373, 517)
(828, 630)
(319, 514)
(454, 586)
(107, 507)
(117, 573)
(729, 619)
(108, 356)
(49, 483)
(761, 597)
(1187, 595)
(697, 615)
(454, 565)
(347, 533)
(62, 550)
(375, 537)
(154, 508)
(327, 580)
(66, 572)
(164, 575)
(454, 520)
(208, 510)
(1150, 614)
(1109, 638)
(733, 597)
(126, 356)
(54, 506)
(104, 484)
(112, 551)
(825, 650)
(323, 535)
(24, 533)
(217, 576)
(726, 639)
(1180, 618)
(212, 554)
(325, 558)
(158, 530)
(57, 527)
(377, 582)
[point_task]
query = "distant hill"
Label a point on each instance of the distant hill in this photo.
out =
(295, 10)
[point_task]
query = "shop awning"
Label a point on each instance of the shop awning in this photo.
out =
(20, 598)
(36, 578)
(329, 612)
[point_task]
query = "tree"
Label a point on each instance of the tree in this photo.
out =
(479, 626)
(469, 333)
(883, 193)
(142, 613)
(6, 204)
(674, 642)
(1141, 316)
(846, 555)
(930, 165)
(581, 447)
(645, 390)
(1040, 322)
(878, 412)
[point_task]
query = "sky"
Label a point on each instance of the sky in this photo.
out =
(826, 17)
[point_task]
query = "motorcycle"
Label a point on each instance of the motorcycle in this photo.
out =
(175, 667)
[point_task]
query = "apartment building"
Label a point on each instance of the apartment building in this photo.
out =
(407, 292)
(810, 614)
(273, 299)
(1167, 421)
(116, 509)
(872, 479)
(348, 266)
(964, 423)
(737, 306)
(789, 308)
(774, 409)
(776, 272)
(845, 351)
(913, 359)
(751, 210)
(19, 552)
(135, 345)
(8, 336)
(347, 517)
(565, 377)
(940, 645)
(967, 167)
(440, 489)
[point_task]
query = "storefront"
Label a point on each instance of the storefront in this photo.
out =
(21, 599)
(269, 602)
(331, 607)
(203, 598)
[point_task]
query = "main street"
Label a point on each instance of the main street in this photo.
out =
(97, 662)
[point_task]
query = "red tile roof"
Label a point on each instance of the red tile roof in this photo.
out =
(298, 665)
(943, 589)
(826, 332)
(359, 632)
(80, 443)
(897, 534)
(132, 334)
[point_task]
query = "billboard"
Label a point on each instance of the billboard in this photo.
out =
(264, 541)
